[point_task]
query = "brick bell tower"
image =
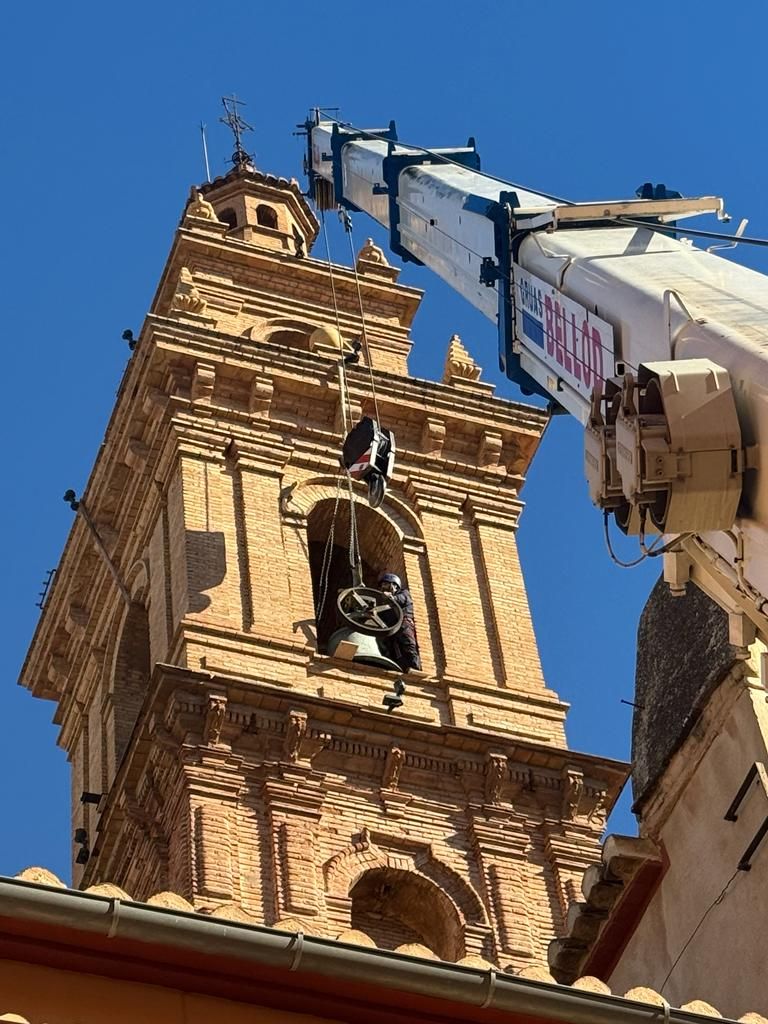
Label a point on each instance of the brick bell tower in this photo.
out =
(222, 759)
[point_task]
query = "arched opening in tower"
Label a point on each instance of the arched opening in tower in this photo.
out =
(266, 216)
(131, 676)
(397, 907)
(228, 216)
(328, 537)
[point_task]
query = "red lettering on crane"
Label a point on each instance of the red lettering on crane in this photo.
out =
(597, 355)
(559, 322)
(566, 351)
(549, 328)
(586, 361)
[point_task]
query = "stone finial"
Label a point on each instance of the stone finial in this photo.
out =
(187, 299)
(459, 363)
(371, 253)
(199, 207)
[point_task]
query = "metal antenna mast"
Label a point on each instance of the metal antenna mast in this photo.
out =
(237, 125)
(205, 151)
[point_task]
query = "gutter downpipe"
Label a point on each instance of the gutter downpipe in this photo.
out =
(296, 951)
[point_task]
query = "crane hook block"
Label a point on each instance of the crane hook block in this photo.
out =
(368, 454)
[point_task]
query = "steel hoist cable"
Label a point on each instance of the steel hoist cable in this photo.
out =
(325, 570)
(355, 561)
(346, 405)
(346, 220)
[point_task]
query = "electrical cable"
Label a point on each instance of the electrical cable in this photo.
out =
(713, 904)
(442, 158)
(325, 570)
(693, 232)
(653, 551)
(355, 560)
(346, 406)
(346, 220)
(646, 552)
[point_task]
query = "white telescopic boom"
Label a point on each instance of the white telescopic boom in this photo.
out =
(660, 349)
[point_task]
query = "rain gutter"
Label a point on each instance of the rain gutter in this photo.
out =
(295, 951)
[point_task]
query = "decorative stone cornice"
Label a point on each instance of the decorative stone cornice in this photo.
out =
(626, 863)
(500, 514)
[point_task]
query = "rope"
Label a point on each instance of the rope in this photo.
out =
(346, 406)
(346, 220)
(355, 560)
(325, 571)
(346, 416)
(652, 551)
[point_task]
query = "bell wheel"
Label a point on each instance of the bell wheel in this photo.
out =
(369, 611)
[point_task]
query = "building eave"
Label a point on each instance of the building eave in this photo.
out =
(290, 970)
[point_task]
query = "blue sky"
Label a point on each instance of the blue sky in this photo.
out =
(101, 108)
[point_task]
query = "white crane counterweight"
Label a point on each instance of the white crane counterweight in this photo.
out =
(657, 347)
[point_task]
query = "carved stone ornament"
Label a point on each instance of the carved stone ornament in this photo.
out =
(573, 791)
(495, 777)
(214, 720)
(392, 767)
(459, 363)
(199, 207)
(294, 734)
(187, 299)
(371, 253)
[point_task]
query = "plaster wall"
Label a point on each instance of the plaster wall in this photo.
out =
(42, 995)
(688, 916)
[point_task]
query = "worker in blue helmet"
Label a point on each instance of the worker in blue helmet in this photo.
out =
(404, 645)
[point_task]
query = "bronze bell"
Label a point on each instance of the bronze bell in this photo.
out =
(351, 646)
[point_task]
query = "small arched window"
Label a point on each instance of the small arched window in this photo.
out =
(266, 216)
(329, 562)
(228, 216)
(131, 676)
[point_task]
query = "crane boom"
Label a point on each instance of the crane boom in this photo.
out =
(656, 346)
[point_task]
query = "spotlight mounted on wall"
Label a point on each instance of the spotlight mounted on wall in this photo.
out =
(81, 839)
(90, 798)
(395, 699)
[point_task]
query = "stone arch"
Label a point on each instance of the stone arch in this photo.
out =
(131, 670)
(307, 493)
(390, 540)
(343, 870)
(294, 332)
(399, 909)
(137, 581)
(228, 216)
(266, 216)
(391, 880)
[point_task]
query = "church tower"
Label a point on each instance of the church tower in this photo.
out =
(224, 758)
